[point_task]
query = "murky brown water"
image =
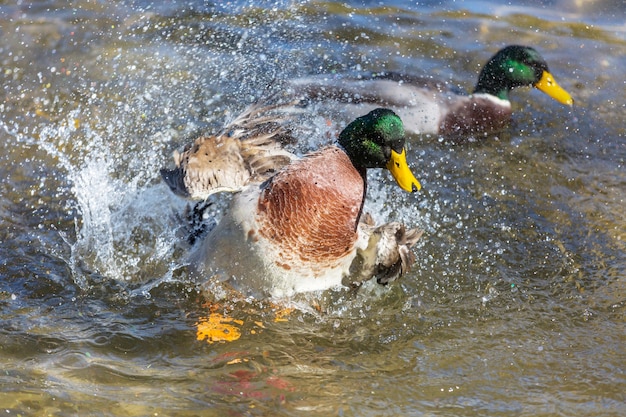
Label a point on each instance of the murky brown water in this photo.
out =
(516, 306)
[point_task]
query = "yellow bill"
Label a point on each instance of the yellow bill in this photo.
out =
(402, 173)
(551, 88)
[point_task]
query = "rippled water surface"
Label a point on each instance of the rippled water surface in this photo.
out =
(515, 307)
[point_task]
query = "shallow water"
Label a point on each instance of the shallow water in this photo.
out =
(516, 306)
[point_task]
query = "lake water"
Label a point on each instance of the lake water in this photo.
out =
(516, 306)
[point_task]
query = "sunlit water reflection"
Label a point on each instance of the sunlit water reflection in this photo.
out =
(516, 305)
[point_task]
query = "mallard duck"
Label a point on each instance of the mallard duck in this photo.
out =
(429, 107)
(303, 228)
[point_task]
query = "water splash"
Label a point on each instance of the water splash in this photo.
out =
(126, 229)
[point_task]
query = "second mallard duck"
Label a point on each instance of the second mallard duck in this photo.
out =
(429, 107)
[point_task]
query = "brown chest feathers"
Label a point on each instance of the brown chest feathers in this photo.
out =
(310, 210)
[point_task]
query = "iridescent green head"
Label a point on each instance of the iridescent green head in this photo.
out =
(516, 66)
(377, 140)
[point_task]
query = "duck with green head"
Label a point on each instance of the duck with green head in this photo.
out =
(429, 107)
(303, 229)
